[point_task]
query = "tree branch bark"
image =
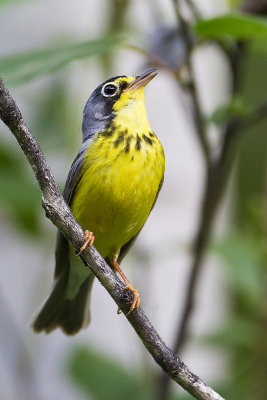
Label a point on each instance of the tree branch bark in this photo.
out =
(59, 213)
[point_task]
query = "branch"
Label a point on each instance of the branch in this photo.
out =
(193, 8)
(59, 213)
(154, 59)
(217, 172)
(215, 183)
(191, 86)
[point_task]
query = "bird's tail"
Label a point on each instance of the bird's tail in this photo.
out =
(59, 311)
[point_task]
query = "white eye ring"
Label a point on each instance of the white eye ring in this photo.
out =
(109, 89)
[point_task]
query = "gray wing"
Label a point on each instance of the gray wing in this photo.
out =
(62, 247)
(74, 173)
(124, 250)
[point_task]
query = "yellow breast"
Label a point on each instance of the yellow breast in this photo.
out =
(122, 171)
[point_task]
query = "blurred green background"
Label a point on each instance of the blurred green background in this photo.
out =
(52, 56)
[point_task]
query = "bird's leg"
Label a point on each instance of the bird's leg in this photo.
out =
(89, 240)
(136, 300)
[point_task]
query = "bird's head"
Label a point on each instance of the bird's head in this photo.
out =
(120, 98)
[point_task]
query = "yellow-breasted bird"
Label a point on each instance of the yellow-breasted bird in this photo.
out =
(111, 188)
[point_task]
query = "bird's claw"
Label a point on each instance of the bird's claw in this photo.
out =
(136, 300)
(89, 240)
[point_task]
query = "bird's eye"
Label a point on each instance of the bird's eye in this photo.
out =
(109, 90)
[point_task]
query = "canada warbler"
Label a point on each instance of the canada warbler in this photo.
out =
(111, 188)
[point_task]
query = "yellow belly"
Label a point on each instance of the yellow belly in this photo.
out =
(119, 184)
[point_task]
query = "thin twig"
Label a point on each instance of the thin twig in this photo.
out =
(216, 181)
(59, 213)
(216, 176)
(207, 211)
(214, 189)
(217, 171)
(193, 8)
(154, 59)
(191, 86)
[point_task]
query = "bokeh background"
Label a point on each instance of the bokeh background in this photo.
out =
(53, 54)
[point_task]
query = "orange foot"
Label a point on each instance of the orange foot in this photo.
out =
(89, 240)
(136, 301)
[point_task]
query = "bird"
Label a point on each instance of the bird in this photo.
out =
(111, 188)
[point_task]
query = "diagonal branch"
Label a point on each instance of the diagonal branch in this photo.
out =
(59, 213)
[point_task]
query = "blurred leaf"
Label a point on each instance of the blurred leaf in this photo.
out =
(102, 378)
(237, 25)
(23, 67)
(19, 195)
(236, 334)
(7, 2)
(242, 256)
(181, 396)
(235, 108)
(234, 3)
(251, 167)
(54, 118)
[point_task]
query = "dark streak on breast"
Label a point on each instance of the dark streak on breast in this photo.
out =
(108, 132)
(148, 140)
(127, 146)
(119, 139)
(138, 143)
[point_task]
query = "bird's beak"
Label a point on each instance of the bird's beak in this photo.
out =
(142, 80)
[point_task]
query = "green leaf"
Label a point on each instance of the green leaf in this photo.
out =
(101, 377)
(236, 25)
(181, 396)
(238, 333)
(7, 2)
(234, 108)
(241, 254)
(24, 67)
(19, 195)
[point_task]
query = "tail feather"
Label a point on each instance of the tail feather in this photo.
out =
(60, 312)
